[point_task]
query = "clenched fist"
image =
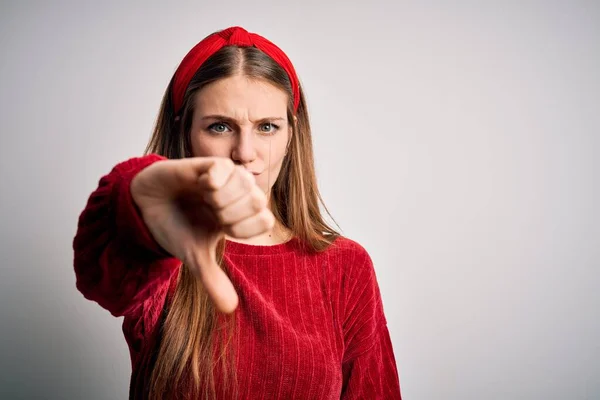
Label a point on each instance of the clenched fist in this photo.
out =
(189, 204)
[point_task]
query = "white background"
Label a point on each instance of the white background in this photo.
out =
(457, 141)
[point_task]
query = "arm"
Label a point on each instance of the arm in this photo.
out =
(117, 261)
(368, 367)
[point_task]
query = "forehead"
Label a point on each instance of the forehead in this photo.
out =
(240, 95)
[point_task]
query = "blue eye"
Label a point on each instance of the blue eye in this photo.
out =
(268, 128)
(218, 127)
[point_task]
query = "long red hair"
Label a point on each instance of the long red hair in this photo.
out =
(193, 331)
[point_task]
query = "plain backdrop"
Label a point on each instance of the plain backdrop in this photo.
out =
(457, 142)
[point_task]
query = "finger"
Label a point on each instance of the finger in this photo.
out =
(239, 184)
(187, 170)
(250, 204)
(255, 225)
(217, 174)
(215, 281)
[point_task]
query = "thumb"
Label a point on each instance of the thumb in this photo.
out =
(215, 280)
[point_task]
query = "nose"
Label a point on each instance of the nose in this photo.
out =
(244, 151)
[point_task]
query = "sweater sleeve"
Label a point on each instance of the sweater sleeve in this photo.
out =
(117, 262)
(368, 367)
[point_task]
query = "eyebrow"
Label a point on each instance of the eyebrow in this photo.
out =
(229, 119)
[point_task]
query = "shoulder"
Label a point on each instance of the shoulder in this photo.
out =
(350, 258)
(358, 285)
(348, 248)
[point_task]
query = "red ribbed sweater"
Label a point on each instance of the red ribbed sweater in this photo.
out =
(311, 325)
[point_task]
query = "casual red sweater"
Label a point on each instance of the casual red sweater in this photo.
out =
(311, 325)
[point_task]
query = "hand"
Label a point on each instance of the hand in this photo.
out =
(190, 204)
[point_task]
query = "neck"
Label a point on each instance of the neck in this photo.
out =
(279, 234)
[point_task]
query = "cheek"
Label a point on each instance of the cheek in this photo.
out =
(276, 165)
(276, 152)
(205, 147)
(272, 167)
(267, 179)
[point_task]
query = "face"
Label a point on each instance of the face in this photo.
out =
(246, 120)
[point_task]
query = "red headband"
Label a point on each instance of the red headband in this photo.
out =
(235, 36)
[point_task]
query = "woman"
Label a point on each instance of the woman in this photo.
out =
(213, 248)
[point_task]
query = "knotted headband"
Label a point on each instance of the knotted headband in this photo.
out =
(234, 36)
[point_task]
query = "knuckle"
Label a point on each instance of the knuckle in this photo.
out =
(220, 171)
(218, 202)
(258, 202)
(227, 165)
(267, 219)
(245, 178)
(235, 230)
